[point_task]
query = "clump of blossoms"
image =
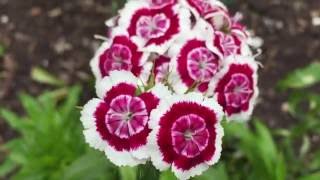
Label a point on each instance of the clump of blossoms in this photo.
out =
(167, 74)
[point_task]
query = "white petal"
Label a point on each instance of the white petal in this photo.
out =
(122, 77)
(87, 114)
(103, 86)
(122, 158)
(218, 145)
(154, 152)
(94, 63)
(93, 138)
(161, 91)
(187, 174)
(141, 153)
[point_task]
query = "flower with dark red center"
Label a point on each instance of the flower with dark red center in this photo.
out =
(228, 44)
(186, 134)
(161, 69)
(117, 122)
(194, 64)
(120, 54)
(155, 28)
(235, 87)
(211, 10)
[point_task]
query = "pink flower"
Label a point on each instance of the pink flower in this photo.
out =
(155, 28)
(228, 44)
(117, 122)
(235, 87)
(212, 11)
(120, 54)
(193, 63)
(161, 69)
(186, 134)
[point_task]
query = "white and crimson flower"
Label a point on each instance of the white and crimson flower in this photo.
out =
(117, 122)
(155, 28)
(235, 87)
(195, 49)
(212, 11)
(120, 53)
(229, 44)
(193, 63)
(161, 69)
(186, 134)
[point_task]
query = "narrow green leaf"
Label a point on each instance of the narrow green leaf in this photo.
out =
(13, 120)
(42, 76)
(71, 102)
(313, 176)
(6, 167)
(302, 78)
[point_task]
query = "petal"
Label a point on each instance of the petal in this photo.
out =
(184, 174)
(122, 158)
(88, 119)
(95, 61)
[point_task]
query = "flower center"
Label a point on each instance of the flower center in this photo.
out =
(118, 58)
(189, 135)
(202, 64)
(152, 26)
(127, 116)
(237, 92)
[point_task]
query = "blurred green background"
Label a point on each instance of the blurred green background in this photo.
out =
(45, 48)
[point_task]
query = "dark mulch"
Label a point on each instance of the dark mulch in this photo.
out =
(58, 35)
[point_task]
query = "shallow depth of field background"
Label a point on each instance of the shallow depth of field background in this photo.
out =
(46, 45)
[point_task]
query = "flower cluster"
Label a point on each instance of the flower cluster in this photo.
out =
(167, 74)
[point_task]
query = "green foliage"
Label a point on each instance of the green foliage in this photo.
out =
(255, 154)
(42, 76)
(228, 2)
(302, 78)
(51, 144)
(304, 106)
(116, 5)
(218, 171)
(2, 50)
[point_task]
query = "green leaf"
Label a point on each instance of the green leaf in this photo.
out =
(167, 175)
(42, 76)
(71, 101)
(128, 173)
(7, 167)
(147, 171)
(91, 165)
(314, 176)
(218, 171)
(302, 78)
(14, 121)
